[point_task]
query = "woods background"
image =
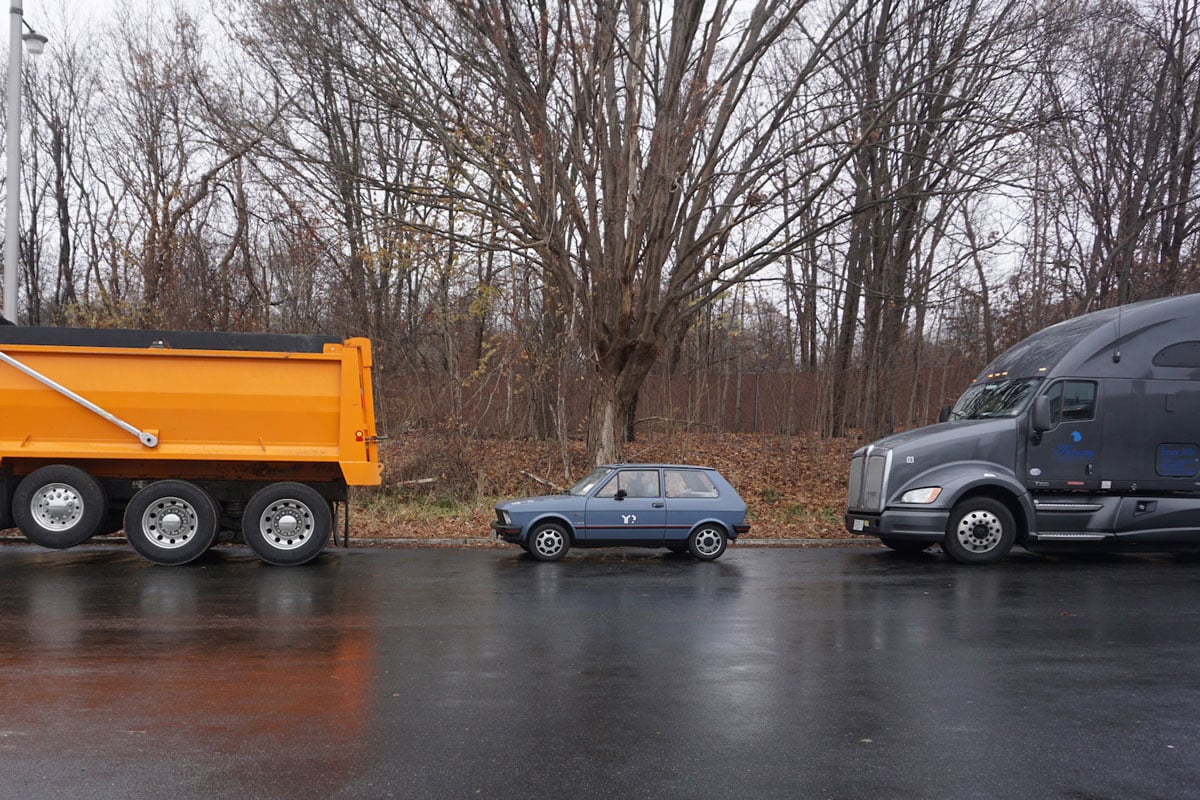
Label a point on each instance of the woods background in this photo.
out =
(587, 221)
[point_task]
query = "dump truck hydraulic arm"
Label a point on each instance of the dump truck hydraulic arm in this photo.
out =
(148, 439)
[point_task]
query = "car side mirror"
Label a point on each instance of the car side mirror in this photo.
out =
(1039, 419)
(620, 495)
(944, 414)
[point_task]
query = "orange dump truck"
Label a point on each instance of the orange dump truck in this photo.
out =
(177, 436)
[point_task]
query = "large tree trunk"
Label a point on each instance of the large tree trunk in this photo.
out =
(607, 413)
(614, 395)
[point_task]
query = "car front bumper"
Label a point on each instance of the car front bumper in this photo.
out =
(508, 533)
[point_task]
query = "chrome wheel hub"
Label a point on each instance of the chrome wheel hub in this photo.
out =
(286, 524)
(170, 522)
(979, 531)
(57, 506)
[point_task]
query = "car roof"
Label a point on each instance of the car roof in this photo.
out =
(656, 466)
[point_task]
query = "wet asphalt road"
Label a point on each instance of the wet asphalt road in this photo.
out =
(772, 673)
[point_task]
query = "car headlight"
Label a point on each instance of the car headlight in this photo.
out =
(925, 495)
(505, 518)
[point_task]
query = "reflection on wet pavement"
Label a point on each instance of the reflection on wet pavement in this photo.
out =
(481, 673)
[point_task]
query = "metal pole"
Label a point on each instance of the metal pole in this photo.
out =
(12, 181)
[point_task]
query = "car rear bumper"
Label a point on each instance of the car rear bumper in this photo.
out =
(740, 530)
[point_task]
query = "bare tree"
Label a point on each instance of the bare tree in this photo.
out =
(627, 140)
(939, 91)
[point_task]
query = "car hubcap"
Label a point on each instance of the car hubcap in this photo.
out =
(548, 542)
(708, 542)
(979, 531)
(286, 524)
(57, 506)
(170, 522)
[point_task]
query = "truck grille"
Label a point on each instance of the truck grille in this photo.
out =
(868, 479)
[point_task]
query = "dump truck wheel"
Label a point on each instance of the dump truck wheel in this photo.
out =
(287, 523)
(59, 506)
(171, 522)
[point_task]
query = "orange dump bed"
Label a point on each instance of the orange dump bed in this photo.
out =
(174, 402)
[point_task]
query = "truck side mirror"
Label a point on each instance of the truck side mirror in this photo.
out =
(1040, 419)
(944, 414)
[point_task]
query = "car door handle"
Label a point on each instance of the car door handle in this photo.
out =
(656, 505)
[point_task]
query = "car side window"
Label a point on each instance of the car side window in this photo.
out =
(1072, 401)
(635, 482)
(688, 483)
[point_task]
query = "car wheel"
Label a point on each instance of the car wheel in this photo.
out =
(287, 523)
(707, 542)
(981, 531)
(171, 522)
(59, 506)
(548, 542)
(906, 546)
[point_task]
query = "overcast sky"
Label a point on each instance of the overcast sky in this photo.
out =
(83, 18)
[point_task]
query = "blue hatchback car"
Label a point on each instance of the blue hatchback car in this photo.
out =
(682, 508)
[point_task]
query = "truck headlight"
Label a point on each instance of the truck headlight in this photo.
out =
(925, 495)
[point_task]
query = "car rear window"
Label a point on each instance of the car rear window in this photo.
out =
(688, 483)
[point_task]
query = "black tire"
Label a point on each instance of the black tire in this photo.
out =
(548, 542)
(171, 522)
(707, 542)
(287, 523)
(59, 506)
(981, 531)
(905, 546)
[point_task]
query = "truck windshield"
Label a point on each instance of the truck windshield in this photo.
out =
(588, 483)
(995, 399)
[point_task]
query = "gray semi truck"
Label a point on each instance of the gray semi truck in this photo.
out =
(1085, 434)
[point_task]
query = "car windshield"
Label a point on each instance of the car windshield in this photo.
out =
(993, 399)
(589, 483)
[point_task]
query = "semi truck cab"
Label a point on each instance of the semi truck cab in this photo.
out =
(1085, 434)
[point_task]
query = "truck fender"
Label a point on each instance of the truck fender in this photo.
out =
(960, 478)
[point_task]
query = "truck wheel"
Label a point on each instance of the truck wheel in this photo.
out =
(171, 522)
(59, 506)
(548, 542)
(287, 523)
(981, 531)
(707, 542)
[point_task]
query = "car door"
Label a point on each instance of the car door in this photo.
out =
(629, 507)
